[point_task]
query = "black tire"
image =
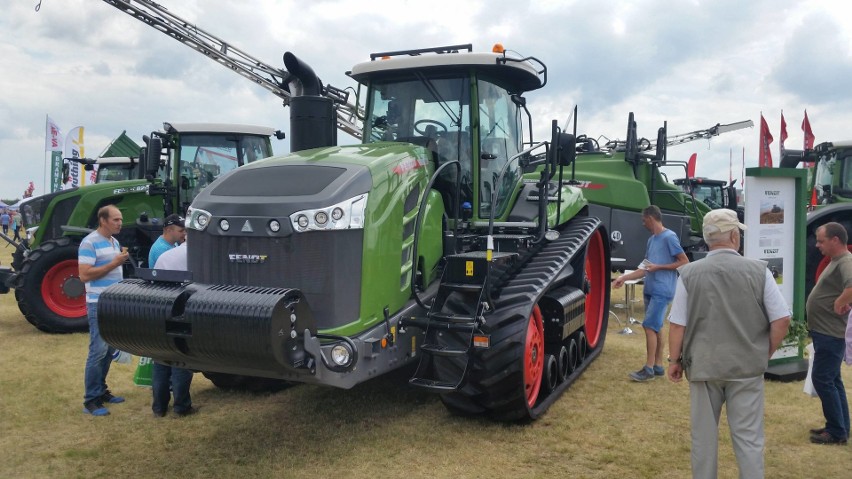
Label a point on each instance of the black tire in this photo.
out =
(236, 382)
(42, 288)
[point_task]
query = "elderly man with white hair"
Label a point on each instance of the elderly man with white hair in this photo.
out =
(727, 318)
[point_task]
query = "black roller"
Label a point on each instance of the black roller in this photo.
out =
(245, 327)
(132, 315)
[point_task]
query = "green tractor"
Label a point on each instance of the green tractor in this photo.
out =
(425, 244)
(182, 160)
(830, 181)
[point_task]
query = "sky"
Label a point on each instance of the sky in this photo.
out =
(691, 63)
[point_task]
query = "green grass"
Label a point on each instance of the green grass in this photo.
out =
(603, 427)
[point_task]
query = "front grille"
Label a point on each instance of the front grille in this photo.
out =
(325, 266)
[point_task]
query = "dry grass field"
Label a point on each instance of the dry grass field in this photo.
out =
(603, 427)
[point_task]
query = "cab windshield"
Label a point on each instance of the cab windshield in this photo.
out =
(205, 157)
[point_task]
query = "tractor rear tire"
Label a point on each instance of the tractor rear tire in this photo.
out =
(49, 292)
(236, 382)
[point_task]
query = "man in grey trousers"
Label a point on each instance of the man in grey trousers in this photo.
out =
(727, 318)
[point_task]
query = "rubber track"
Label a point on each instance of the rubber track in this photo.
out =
(495, 381)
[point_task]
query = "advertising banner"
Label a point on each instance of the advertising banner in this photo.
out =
(74, 148)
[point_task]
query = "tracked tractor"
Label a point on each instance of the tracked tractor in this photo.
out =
(182, 160)
(424, 245)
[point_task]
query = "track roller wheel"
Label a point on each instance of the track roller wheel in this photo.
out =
(573, 354)
(582, 346)
(563, 362)
(551, 372)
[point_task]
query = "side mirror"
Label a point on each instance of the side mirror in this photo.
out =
(567, 148)
(631, 144)
(152, 156)
(89, 167)
(660, 157)
(66, 172)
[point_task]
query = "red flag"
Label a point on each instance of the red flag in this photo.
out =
(765, 157)
(809, 134)
(783, 137)
(690, 166)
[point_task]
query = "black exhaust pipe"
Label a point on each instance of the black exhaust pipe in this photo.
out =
(313, 120)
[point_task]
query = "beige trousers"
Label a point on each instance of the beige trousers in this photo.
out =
(743, 400)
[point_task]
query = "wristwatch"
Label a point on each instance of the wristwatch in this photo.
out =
(669, 359)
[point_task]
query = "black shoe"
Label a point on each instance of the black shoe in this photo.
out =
(95, 408)
(107, 397)
(187, 412)
(816, 432)
(826, 438)
(159, 413)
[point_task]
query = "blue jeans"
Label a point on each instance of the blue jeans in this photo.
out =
(828, 354)
(100, 357)
(179, 380)
(655, 312)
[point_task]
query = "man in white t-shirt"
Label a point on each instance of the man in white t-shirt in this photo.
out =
(166, 377)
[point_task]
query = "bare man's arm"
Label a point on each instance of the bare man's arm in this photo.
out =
(675, 351)
(777, 332)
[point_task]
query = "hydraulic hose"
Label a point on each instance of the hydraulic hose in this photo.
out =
(419, 221)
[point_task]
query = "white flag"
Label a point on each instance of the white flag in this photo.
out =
(74, 149)
(52, 137)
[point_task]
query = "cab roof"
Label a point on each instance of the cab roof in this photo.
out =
(217, 128)
(521, 73)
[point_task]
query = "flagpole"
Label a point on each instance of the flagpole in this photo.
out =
(44, 173)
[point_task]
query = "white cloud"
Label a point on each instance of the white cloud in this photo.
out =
(693, 64)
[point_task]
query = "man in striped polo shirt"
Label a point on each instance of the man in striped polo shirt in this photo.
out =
(100, 258)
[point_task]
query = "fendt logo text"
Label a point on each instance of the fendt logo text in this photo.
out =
(247, 258)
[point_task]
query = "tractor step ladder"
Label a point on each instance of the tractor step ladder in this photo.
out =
(453, 319)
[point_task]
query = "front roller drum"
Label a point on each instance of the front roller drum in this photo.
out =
(204, 326)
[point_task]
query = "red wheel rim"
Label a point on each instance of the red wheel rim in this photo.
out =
(53, 294)
(597, 278)
(534, 356)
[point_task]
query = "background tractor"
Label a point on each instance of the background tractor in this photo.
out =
(830, 181)
(427, 243)
(182, 160)
(621, 178)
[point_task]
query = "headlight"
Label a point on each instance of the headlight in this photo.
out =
(341, 355)
(348, 214)
(224, 224)
(197, 218)
(275, 226)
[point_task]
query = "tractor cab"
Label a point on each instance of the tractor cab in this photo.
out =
(832, 178)
(189, 156)
(463, 107)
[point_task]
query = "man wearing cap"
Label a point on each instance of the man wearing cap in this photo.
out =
(727, 318)
(827, 308)
(663, 255)
(173, 234)
(166, 378)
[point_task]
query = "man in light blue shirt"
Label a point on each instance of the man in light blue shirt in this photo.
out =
(100, 257)
(174, 234)
(663, 256)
